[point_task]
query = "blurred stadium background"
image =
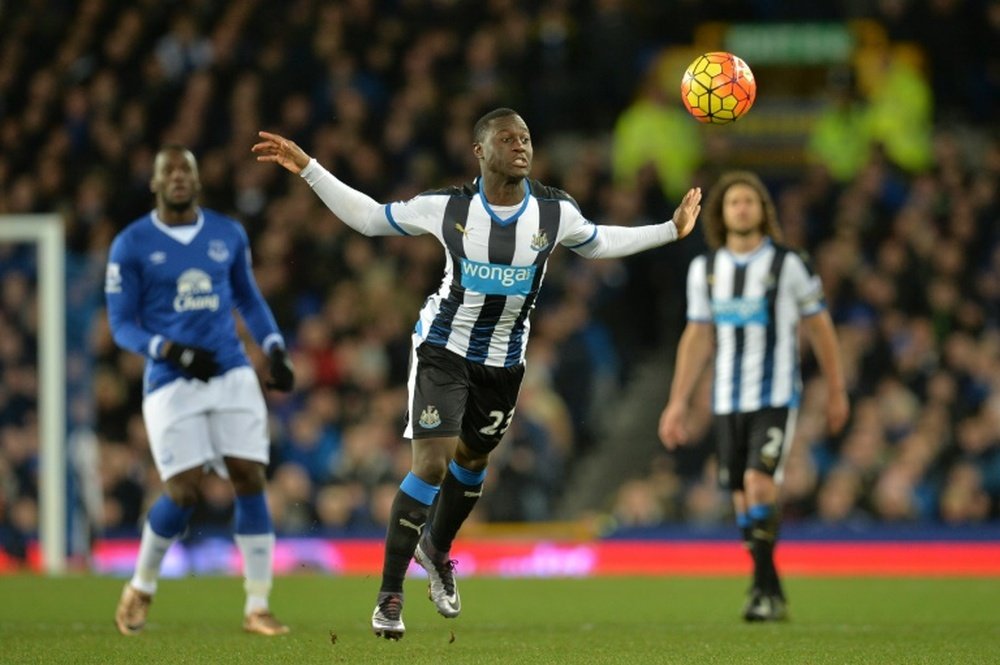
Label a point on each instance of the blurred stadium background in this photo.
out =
(876, 128)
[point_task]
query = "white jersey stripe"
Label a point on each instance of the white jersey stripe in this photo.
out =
(411, 390)
(755, 303)
(495, 267)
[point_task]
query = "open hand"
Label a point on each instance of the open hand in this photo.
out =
(278, 149)
(687, 212)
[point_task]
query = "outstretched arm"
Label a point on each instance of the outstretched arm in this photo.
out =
(608, 242)
(356, 209)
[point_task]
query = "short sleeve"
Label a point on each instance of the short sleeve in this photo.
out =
(576, 230)
(417, 216)
(699, 307)
(806, 286)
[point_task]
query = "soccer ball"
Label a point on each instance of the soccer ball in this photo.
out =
(718, 87)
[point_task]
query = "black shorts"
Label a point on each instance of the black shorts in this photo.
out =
(451, 396)
(758, 440)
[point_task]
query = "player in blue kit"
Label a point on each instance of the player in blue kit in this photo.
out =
(747, 298)
(173, 279)
(468, 345)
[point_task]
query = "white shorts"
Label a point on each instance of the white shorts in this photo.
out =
(191, 423)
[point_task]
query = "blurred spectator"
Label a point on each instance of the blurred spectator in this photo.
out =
(838, 501)
(653, 138)
(901, 109)
(900, 215)
(841, 138)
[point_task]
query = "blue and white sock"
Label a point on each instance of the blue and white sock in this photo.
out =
(255, 540)
(165, 522)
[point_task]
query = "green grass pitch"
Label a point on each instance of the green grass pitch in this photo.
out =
(602, 620)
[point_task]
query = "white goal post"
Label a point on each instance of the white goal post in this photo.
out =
(46, 231)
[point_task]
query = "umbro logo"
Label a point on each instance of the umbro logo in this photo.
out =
(156, 258)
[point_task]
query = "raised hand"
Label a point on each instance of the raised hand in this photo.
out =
(278, 149)
(687, 212)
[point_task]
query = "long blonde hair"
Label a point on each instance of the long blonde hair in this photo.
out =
(714, 225)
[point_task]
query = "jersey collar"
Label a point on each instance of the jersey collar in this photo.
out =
(743, 259)
(517, 213)
(182, 234)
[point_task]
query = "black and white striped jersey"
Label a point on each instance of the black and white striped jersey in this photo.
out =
(495, 257)
(755, 302)
(494, 264)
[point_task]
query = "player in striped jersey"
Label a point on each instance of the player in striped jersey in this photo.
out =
(469, 341)
(173, 279)
(746, 299)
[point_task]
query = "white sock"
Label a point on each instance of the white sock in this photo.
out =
(152, 549)
(258, 569)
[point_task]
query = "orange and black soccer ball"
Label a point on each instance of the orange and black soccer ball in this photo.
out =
(718, 88)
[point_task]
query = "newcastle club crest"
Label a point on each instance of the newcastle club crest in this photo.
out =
(430, 418)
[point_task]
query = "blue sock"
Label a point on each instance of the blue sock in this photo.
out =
(421, 490)
(760, 512)
(252, 515)
(167, 519)
(465, 476)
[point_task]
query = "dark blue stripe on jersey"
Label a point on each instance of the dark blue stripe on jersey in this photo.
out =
(590, 239)
(456, 214)
(392, 222)
(502, 243)
(441, 325)
(771, 334)
(709, 284)
(739, 281)
(548, 223)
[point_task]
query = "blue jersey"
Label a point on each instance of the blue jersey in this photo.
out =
(181, 284)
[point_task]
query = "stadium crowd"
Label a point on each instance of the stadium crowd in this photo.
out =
(385, 94)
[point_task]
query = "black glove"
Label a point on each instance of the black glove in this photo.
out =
(282, 373)
(194, 362)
